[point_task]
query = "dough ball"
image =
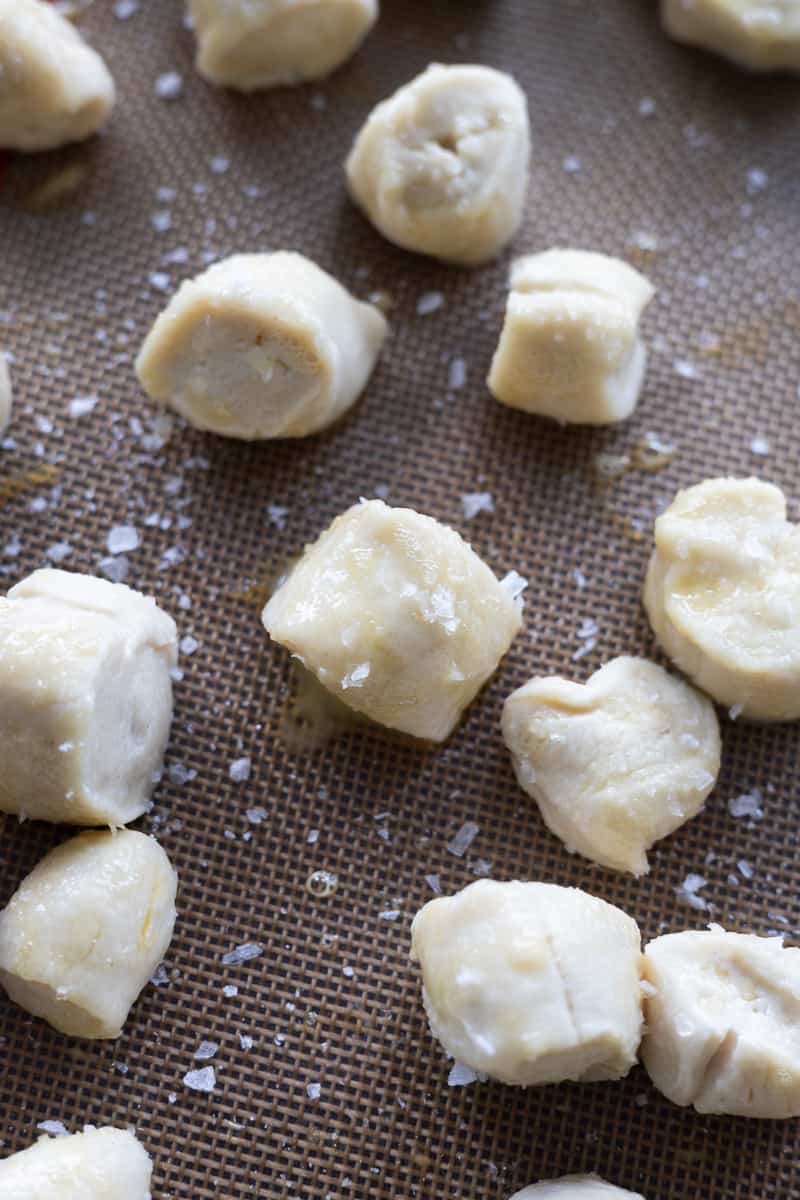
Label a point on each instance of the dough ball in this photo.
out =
(722, 1022)
(83, 933)
(570, 346)
(723, 595)
(575, 1187)
(249, 45)
(441, 167)
(397, 616)
(85, 698)
(6, 397)
(531, 983)
(54, 88)
(616, 763)
(762, 35)
(261, 346)
(98, 1164)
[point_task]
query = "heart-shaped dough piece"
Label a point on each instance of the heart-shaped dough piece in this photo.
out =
(616, 763)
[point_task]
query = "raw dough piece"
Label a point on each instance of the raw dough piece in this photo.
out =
(250, 44)
(98, 1164)
(570, 346)
(84, 932)
(54, 88)
(616, 763)
(397, 616)
(261, 346)
(441, 167)
(85, 698)
(531, 983)
(5, 394)
(723, 595)
(575, 1187)
(762, 35)
(723, 1022)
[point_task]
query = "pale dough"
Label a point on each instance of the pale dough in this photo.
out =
(723, 595)
(575, 1187)
(6, 395)
(84, 932)
(616, 763)
(570, 346)
(261, 346)
(723, 1022)
(54, 88)
(397, 616)
(98, 1164)
(250, 44)
(761, 35)
(531, 983)
(85, 698)
(441, 167)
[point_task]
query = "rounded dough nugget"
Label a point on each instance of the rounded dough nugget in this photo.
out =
(98, 1164)
(83, 933)
(761, 35)
(54, 88)
(723, 595)
(616, 763)
(85, 698)
(249, 44)
(575, 1187)
(723, 1022)
(261, 346)
(6, 395)
(570, 347)
(441, 167)
(397, 616)
(531, 983)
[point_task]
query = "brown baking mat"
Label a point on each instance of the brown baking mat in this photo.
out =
(641, 148)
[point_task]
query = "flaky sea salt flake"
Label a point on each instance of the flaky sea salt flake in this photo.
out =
(242, 954)
(463, 839)
(202, 1080)
(239, 770)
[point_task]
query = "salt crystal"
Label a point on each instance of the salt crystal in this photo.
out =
(684, 368)
(160, 976)
(180, 774)
(230, 990)
(239, 770)
(277, 515)
(219, 164)
(59, 551)
(735, 711)
(587, 648)
(124, 9)
(462, 841)
(313, 1091)
(256, 815)
(348, 972)
(759, 445)
(389, 914)
(115, 569)
(203, 1080)
(12, 547)
(43, 424)
(55, 1128)
(476, 502)
(159, 280)
(169, 85)
(161, 220)
(313, 837)
(571, 164)
(206, 1050)
(757, 180)
(514, 583)
(645, 241)
(429, 303)
(747, 805)
(318, 102)
(588, 628)
(188, 644)
(579, 577)
(434, 884)
(245, 1041)
(647, 106)
(243, 953)
(81, 405)
(687, 891)
(745, 868)
(456, 374)
(461, 1076)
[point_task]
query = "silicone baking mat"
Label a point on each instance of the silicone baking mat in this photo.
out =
(327, 1081)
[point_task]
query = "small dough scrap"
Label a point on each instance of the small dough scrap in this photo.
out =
(723, 1022)
(441, 167)
(616, 763)
(249, 44)
(85, 698)
(84, 932)
(760, 35)
(261, 346)
(570, 347)
(54, 88)
(575, 1187)
(98, 1164)
(531, 983)
(723, 595)
(6, 395)
(397, 616)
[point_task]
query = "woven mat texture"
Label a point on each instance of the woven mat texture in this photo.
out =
(643, 149)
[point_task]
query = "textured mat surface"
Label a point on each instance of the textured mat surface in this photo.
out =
(641, 148)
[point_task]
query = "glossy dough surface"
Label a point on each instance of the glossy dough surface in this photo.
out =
(250, 44)
(98, 1164)
(84, 932)
(54, 88)
(531, 983)
(723, 595)
(570, 346)
(85, 698)
(441, 167)
(575, 1187)
(762, 35)
(723, 1022)
(261, 346)
(616, 763)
